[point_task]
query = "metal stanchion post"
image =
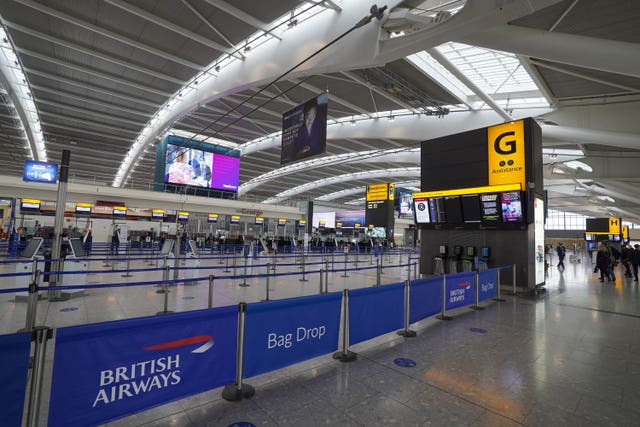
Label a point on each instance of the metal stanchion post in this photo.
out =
(41, 335)
(357, 256)
(304, 274)
(443, 315)
(415, 271)
(212, 278)
(381, 262)
(333, 260)
(266, 297)
(409, 270)
(128, 254)
(244, 278)
(165, 274)
(153, 254)
(326, 279)
(165, 288)
(238, 390)
(32, 303)
(477, 306)
(321, 290)
(345, 355)
(514, 279)
(378, 271)
(226, 267)
(498, 297)
(406, 332)
(346, 259)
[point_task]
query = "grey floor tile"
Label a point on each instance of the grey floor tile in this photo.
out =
(384, 411)
(492, 419)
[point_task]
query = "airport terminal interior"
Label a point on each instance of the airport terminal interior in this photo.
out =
(328, 212)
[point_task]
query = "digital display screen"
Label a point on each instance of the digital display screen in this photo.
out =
(453, 209)
(235, 219)
(226, 172)
(157, 213)
(190, 166)
(304, 130)
(212, 218)
(436, 210)
(471, 208)
(30, 204)
(302, 223)
(329, 218)
(40, 172)
(376, 233)
(422, 211)
(83, 209)
(119, 211)
(351, 218)
(183, 216)
(511, 206)
(322, 224)
(281, 222)
(259, 221)
(490, 208)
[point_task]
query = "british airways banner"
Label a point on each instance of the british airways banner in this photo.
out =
(426, 298)
(460, 291)
(284, 332)
(14, 367)
(375, 311)
(106, 371)
(487, 284)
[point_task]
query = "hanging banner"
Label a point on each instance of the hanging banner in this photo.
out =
(426, 298)
(375, 311)
(106, 371)
(487, 284)
(14, 368)
(281, 333)
(460, 290)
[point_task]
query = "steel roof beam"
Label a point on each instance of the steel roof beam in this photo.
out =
(89, 112)
(352, 76)
(94, 73)
(92, 52)
(207, 23)
(240, 15)
(110, 34)
(148, 16)
(88, 122)
(84, 131)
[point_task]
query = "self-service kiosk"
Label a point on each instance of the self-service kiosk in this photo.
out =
(75, 261)
(483, 259)
(455, 258)
(192, 262)
(167, 251)
(469, 258)
(440, 261)
(28, 255)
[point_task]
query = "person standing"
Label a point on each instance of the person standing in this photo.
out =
(560, 249)
(635, 261)
(603, 262)
(625, 259)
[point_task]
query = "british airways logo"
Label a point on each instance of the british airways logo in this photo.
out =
(465, 285)
(131, 380)
(458, 293)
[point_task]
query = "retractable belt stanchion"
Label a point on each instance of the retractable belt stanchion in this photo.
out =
(41, 335)
(238, 390)
(321, 289)
(128, 255)
(378, 271)
(514, 279)
(406, 332)
(304, 274)
(476, 306)
(165, 275)
(165, 288)
(346, 259)
(443, 315)
(226, 267)
(498, 297)
(244, 276)
(345, 355)
(153, 254)
(212, 278)
(32, 302)
(266, 297)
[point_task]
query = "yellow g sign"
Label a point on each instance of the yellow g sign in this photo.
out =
(506, 154)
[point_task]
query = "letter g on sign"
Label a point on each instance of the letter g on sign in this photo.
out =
(510, 146)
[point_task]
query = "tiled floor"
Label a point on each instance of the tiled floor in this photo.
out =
(569, 357)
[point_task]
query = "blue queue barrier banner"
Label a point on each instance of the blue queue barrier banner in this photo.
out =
(426, 298)
(461, 290)
(106, 371)
(281, 333)
(14, 368)
(375, 311)
(487, 284)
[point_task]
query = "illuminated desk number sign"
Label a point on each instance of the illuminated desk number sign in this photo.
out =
(119, 211)
(212, 218)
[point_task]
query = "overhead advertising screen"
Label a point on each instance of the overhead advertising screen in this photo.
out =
(511, 206)
(350, 218)
(403, 202)
(304, 130)
(329, 219)
(226, 172)
(40, 172)
(422, 211)
(539, 240)
(436, 209)
(212, 218)
(199, 168)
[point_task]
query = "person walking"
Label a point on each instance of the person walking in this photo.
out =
(562, 251)
(603, 262)
(635, 261)
(625, 259)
